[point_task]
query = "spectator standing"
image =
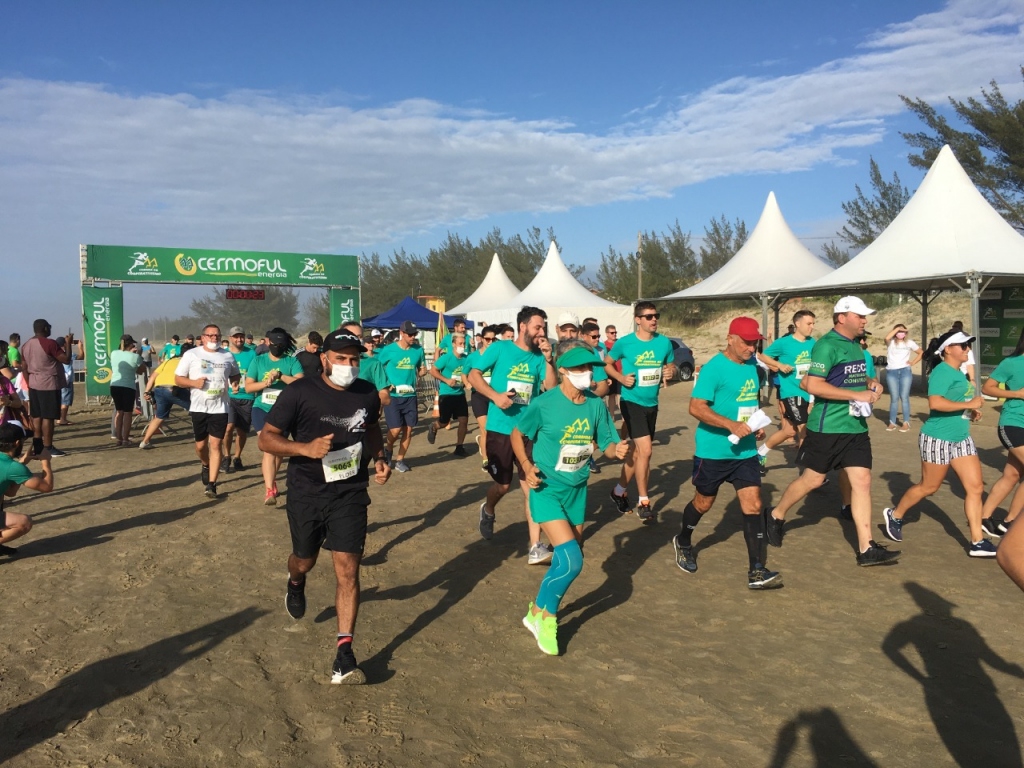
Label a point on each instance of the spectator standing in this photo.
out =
(125, 364)
(67, 394)
(14, 352)
(902, 354)
(43, 363)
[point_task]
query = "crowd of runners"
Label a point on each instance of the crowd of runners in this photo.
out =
(546, 410)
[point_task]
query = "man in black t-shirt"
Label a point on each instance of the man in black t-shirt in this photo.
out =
(309, 356)
(333, 421)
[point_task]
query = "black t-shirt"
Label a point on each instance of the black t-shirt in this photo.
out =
(307, 409)
(310, 362)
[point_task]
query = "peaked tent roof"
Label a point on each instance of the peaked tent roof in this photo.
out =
(409, 309)
(946, 231)
(772, 261)
(496, 290)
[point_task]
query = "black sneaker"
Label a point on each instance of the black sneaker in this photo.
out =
(237, 464)
(204, 475)
(211, 491)
(295, 600)
(55, 452)
(646, 513)
(10, 551)
(685, 558)
(774, 529)
(877, 554)
(432, 433)
(346, 671)
(991, 528)
(621, 502)
(846, 512)
(459, 451)
(1004, 526)
(762, 578)
(226, 467)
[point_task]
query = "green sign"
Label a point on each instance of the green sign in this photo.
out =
(1002, 321)
(344, 306)
(102, 313)
(139, 264)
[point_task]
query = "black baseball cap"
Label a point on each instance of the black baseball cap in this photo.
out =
(335, 341)
(409, 327)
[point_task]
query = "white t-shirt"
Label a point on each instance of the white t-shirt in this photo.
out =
(898, 355)
(968, 363)
(217, 368)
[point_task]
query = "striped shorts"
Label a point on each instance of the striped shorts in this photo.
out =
(936, 451)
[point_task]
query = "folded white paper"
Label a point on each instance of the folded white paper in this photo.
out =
(758, 420)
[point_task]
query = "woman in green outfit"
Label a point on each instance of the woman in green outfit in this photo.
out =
(945, 441)
(1010, 374)
(563, 425)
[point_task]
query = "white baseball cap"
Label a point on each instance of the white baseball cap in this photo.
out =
(853, 304)
(957, 338)
(568, 318)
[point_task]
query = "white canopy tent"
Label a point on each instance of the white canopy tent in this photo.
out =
(772, 264)
(947, 237)
(495, 290)
(556, 291)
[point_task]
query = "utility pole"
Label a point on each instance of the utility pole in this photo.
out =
(639, 266)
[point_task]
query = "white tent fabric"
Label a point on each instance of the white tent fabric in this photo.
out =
(556, 291)
(495, 290)
(772, 260)
(946, 233)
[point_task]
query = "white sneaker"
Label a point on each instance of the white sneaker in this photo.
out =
(540, 553)
(145, 446)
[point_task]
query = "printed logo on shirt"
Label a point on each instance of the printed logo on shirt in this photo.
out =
(646, 359)
(405, 364)
(748, 391)
(355, 423)
(578, 433)
(521, 372)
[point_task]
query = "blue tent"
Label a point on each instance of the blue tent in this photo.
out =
(409, 309)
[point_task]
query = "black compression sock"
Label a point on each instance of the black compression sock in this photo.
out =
(753, 534)
(690, 519)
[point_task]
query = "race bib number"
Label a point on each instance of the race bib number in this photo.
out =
(214, 394)
(456, 379)
(487, 380)
(801, 370)
(572, 458)
(523, 392)
(743, 414)
(648, 377)
(343, 463)
(404, 390)
(269, 396)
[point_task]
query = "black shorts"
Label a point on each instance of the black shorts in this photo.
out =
(614, 387)
(332, 520)
(452, 407)
(501, 459)
(480, 404)
(208, 424)
(241, 413)
(45, 403)
(709, 474)
(1010, 437)
(640, 421)
(824, 451)
(123, 397)
(794, 410)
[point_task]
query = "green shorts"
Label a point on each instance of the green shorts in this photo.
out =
(558, 502)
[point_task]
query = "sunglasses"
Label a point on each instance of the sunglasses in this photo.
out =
(964, 345)
(487, 338)
(595, 336)
(651, 316)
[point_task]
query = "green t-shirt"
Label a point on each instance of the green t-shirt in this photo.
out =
(11, 473)
(954, 426)
(1010, 372)
(731, 390)
(840, 361)
(644, 359)
(869, 365)
(512, 368)
(260, 367)
(791, 351)
(563, 434)
(123, 366)
(372, 371)
(14, 357)
(170, 350)
(453, 368)
(473, 357)
(245, 359)
(401, 367)
(445, 345)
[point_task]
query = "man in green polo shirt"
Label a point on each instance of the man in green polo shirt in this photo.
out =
(837, 429)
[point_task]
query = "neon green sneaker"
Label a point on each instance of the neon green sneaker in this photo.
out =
(545, 630)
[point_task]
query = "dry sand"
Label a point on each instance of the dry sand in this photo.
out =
(145, 626)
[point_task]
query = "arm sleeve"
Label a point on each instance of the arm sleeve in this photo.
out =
(284, 410)
(530, 421)
(821, 360)
(486, 360)
(774, 350)
(606, 434)
(705, 387)
(181, 369)
(617, 352)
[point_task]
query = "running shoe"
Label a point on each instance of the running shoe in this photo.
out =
(846, 512)
(991, 528)
(295, 600)
(1004, 527)
(774, 529)
(621, 502)
(593, 466)
(55, 452)
(145, 446)
(893, 526)
(9, 551)
(432, 433)
(483, 466)
(226, 466)
(905, 426)
(346, 671)
(204, 475)
(762, 578)
(486, 522)
(983, 548)
(211, 491)
(891, 428)
(237, 464)
(540, 553)
(270, 500)
(646, 513)
(401, 466)
(877, 554)
(544, 629)
(685, 558)
(460, 450)
(763, 462)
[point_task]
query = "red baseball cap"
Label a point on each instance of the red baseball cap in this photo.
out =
(746, 328)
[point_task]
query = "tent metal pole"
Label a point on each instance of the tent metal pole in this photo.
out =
(974, 278)
(924, 330)
(764, 312)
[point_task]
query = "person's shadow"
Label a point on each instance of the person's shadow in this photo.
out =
(828, 738)
(961, 698)
(108, 680)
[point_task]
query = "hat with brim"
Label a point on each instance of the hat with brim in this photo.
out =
(236, 330)
(336, 341)
(578, 356)
(852, 304)
(954, 338)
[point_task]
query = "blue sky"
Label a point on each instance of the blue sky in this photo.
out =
(360, 127)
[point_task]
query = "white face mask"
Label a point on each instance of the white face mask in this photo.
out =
(460, 350)
(343, 375)
(213, 346)
(580, 380)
